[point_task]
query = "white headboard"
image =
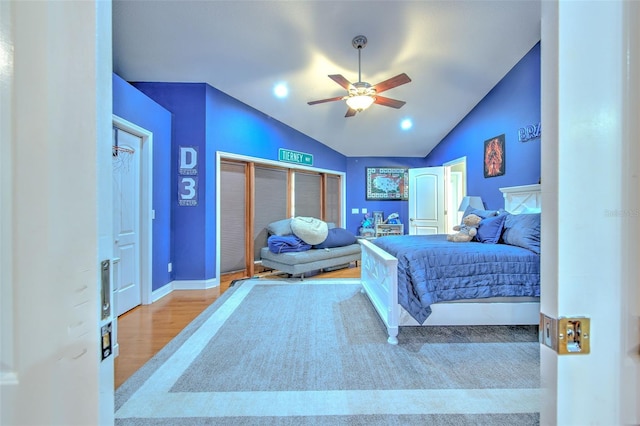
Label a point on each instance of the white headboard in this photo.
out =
(519, 198)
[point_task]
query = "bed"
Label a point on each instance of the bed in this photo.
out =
(391, 283)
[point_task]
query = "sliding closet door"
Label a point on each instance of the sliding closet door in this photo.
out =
(307, 194)
(270, 202)
(233, 216)
(252, 195)
(332, 198)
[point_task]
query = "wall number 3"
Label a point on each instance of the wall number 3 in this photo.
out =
(188, 191)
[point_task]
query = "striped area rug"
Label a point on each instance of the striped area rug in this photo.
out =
(315, 352)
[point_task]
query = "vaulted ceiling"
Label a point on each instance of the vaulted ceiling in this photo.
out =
(453, 51)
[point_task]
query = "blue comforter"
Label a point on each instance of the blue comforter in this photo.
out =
(432, 269)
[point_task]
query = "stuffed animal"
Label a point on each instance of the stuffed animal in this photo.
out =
(467, 231)
(393, 218)
(367, 222)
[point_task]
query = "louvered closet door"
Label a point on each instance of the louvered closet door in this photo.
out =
(270, 198)
(332, 198)
(233, 217)
(307, 194)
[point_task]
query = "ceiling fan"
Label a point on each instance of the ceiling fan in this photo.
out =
(361, 95)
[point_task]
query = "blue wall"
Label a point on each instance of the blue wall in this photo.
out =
(512, 104)
(212, 121)
(135, 107)
(356, 189)
(187, 232)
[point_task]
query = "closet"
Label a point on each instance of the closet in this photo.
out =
(254, 194)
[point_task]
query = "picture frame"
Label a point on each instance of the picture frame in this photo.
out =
(378, 217)
(494, 158)
(387, 183)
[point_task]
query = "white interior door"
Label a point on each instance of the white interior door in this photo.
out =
(426, 201)
(126, 221)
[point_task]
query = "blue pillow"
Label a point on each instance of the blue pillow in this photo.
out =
(337, 237)
(523, 230)
(482, 213)
(490, 229)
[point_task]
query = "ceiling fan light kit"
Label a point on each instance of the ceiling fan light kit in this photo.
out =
(360, 102)
(362, 95)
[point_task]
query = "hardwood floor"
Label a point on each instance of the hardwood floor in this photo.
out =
(146, 329)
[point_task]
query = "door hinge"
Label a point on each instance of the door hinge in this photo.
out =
(566, 336)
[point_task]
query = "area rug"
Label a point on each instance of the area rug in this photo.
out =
(315, 352)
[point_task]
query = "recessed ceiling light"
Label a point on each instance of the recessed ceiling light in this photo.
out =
(406, 124)
(281, 90)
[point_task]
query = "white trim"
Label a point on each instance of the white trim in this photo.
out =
(146, 205)
(161, 292)
(169, 288)
(522, 188)
(218, 156)
(455, 162)
(453, 217)
(195, 284)
(229, 156)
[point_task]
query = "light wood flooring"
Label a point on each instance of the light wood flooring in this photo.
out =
(146, 329)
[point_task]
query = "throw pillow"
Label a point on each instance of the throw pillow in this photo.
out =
(309, 229)
(490, 229)
(523, 230)
(337, 237)
(280, 227)
(482, 213)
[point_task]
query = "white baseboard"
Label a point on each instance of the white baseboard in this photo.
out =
(184, 285)
(195, 284)
(161, 292)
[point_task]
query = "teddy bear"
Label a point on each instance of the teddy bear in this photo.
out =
(467, 230)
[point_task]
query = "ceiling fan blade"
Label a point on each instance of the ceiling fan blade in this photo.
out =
(340, 80)
(337, 98)
(392, 82)
(350, 112)
(393, 103)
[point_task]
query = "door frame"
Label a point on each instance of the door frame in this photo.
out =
(223, 155)
(146, 205)
(453, 218)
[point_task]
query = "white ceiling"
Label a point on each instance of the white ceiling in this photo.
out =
(454, 52)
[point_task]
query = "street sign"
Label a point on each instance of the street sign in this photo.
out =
(295, 157)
